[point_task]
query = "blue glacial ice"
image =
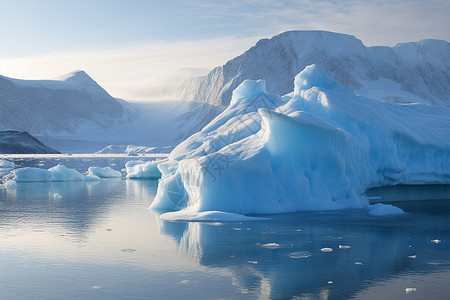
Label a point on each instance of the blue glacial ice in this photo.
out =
(318, 148)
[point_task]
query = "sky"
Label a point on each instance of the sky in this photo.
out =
(130, 47)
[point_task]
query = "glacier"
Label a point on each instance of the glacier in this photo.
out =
(317, 148)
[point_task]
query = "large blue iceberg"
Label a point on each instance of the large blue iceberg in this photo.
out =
(318, 148)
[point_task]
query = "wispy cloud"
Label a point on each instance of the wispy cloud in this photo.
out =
(130, 72)
(206, 33)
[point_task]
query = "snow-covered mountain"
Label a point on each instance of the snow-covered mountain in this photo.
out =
(59, 106)
(21, 142)
(407, 72)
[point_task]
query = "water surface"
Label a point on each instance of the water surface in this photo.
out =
(99, 240)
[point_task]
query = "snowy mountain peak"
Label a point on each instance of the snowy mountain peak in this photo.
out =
(62, 105)
(78, 76)
(408, 72)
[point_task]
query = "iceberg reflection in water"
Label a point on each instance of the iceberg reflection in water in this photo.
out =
(99, 240)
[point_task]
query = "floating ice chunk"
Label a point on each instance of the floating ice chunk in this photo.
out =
(410, 290)
(207, 216)
(271, 246)
(57, 196)
(106, 172)
(129, 165)
(6, 164)
(380, 209)
(300, 254)
(148, 170)
(344, 247)
(57, 173)
(327, 250)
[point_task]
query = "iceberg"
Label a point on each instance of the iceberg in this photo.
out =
(139, 169)
(6, 164)
(106, 172)
(318, 148)
(56, 173)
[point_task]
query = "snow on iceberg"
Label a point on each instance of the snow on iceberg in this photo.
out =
(318, 148)
(56, 173)
(105, 172)
(143, 170)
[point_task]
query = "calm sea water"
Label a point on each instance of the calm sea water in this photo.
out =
(99, 240)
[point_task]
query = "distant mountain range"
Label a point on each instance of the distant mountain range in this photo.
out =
(407, 72)
(21, 142)
(62, 105)
(73, 113)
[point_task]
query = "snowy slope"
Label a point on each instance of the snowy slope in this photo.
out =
(62, 105)
(319, 148)
(20, 142)
(409, 72)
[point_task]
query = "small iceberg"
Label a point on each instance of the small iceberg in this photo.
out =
(106, 172)
(56, 173)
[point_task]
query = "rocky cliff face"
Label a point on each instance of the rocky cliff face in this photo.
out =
(21, 142)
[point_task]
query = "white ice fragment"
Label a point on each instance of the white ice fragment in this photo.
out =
(57, 196)
(410, 290)
(326, 250)
(300, 254)
(271, 246)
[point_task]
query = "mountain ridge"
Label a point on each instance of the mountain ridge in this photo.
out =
(61, 105)
(417, 67)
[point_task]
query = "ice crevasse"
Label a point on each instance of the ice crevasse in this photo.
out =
(317, 148)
